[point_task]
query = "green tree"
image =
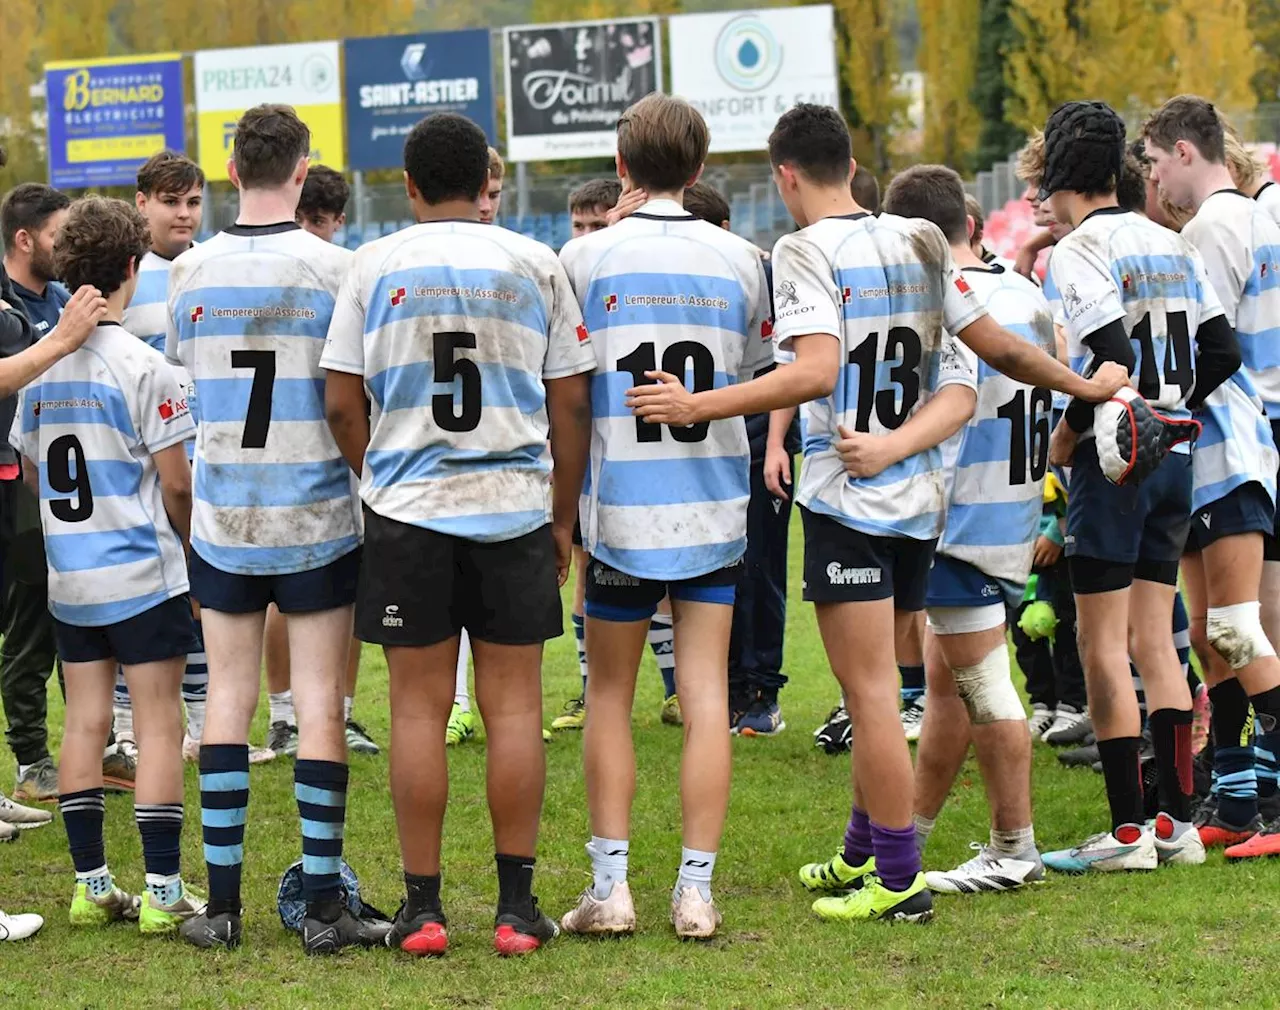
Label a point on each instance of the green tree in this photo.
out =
(868, 56)
(997, 137)
(1264, 19)
(947, 55)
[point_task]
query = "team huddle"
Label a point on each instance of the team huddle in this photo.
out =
(405, 443)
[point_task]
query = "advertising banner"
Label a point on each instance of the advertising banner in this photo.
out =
(567, 84)
(108, 116)
(391, 83)
(231, 81)
(743, 69)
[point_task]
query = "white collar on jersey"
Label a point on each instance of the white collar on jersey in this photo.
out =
(664, 208)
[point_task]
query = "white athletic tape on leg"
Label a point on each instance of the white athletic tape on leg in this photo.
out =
(1236, 634)
(965, 620)
(987, 688)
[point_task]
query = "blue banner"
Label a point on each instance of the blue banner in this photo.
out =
(108, 116)
(391, 83)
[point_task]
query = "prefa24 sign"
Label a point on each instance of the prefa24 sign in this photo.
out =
(567, 84)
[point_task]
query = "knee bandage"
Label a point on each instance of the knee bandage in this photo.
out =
(1236, 634)
(965, 620)
(987, 690)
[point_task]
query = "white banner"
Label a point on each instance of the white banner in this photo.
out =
(743, 69)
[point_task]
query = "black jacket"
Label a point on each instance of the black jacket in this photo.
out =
(16, 335)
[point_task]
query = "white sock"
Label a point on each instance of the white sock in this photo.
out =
(282, 708)
(695, 871)
(164, 888)
(98, 882)
(924, 828)
(1013, 843)
(124, 721)
(608, 863)
(22, 771)
(460, 696)
(347, 702)
(195, 720)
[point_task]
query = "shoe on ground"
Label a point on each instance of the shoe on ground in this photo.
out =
(127, 743)
(1216, 833)
(462, 726)
(221, 931)
(1041, 719)
(424, 935)
(346, 930)
(1080, 757)
(1269, 808)
(261, 755)
(574, 715)
(671, 711)
(763, 718)
(39, 784)
(694, 917)
(20, 926)
(8, 832)
(989, 871)
(913, 719)
(835, 736)
(1070, 726)
(1177, 842)
(157, 919)
(513, 934)
(23, 818)
(114, 906)
(359, 741)
(1265, 843)
(611, 916)
(875, 901)
(282, 739)
(119, 770)
(1129, 847)
(835, 876)
(739, 701)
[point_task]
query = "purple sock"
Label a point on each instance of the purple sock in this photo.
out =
(897, 858)
(857, 838)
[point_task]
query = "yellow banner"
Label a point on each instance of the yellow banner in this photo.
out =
(93, 149)
(216, 132)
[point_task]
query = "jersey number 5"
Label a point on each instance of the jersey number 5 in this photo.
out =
(676, 359)
(58, 473)
(465, 415)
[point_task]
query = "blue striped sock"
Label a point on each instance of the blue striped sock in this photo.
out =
(1237, 784)
(662, 641)
(1266, 748)
(580, 633)
(912, 687)
(321, 790)
(224, 801)
(82, 814)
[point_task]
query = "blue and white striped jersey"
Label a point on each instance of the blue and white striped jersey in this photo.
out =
(664, 290)
(1118, 265)
(1240, 246)
(1060, 399)
(996, 463)
(1268, 198)
(248, 313)
(887, 288)
(455, 327)
(147, 317)
(91, 424)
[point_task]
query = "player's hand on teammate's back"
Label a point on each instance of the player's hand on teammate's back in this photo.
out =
(664, 402)
(777, 471)
(79, 317)
(564, 551)
(1046, 553)
(1109, 377)
(865, 455)
(1062, 445)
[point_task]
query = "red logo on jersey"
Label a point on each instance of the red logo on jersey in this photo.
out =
(398, 295)
(583, 335)
(35, 409)
(166, 410)
(766, 330)
(962, 286)
(847, 294)
(197, 314)
(611, 303)
(1126, 281)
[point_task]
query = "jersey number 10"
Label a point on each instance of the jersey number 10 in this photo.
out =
(677, 359)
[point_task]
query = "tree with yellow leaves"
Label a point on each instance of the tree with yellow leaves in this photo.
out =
(948, 58)
(1213, 52)
(867, 51)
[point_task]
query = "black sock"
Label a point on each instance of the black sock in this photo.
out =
(327, 910)
(422, 894)
(1124, 779)
(515, 885)
(1171, 738)
(1266, 741)
(1230, 706)
(912, 682)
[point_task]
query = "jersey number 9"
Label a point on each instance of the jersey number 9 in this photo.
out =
(58, 473)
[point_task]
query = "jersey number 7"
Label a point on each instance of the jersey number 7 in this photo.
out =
(257, 420)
